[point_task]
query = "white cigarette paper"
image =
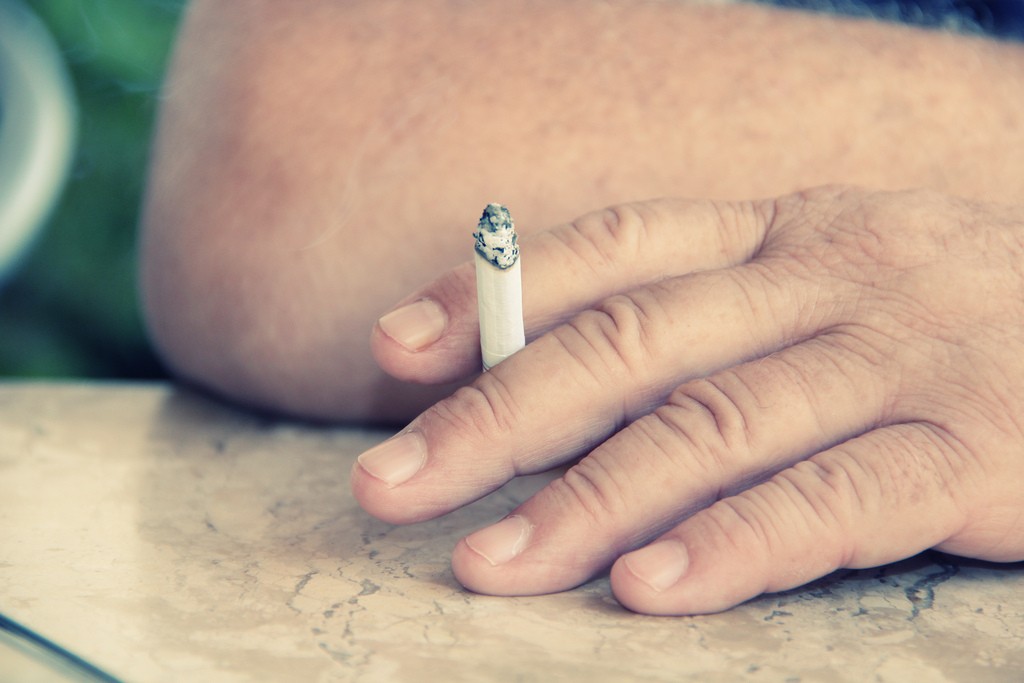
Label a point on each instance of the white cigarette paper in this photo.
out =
(499, 286)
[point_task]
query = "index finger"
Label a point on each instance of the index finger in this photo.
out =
(433, 335)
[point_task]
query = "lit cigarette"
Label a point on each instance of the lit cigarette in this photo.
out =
(499, 286)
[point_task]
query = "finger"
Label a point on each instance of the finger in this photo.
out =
(713, 437)
(433, 335)
(578, 384)
(879, 498)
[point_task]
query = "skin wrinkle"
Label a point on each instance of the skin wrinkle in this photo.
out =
(957, 409)
(893, 374)
(697, 461)
(598, 493)
(918, 348)
(504, 409)
(735, 416)
(808, 386)
(765, 213)
(588, 340)
(849, 493)
(738, 229)
(830, 257)
(602, 423)
(858, 491)
(702, 460)
(606, 497)
(751, 527)
(799, 495)
(627, 230)
(877, 230)
(709, 424)
(1009, 241)
(879, 368)
(471, 410)
(736, 222)
(864, 495)
(653, 436)
(726, 531)
(838, 510)
(652, 314)
(766, 290)
(801, 324)
(578, 240)
(805, 267)
(625, 328)
(588, 236)
(820, 307)
(811, 382)
(1011, 420)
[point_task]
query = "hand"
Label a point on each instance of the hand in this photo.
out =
(757, 394)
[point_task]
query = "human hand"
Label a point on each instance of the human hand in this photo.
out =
(760, 393)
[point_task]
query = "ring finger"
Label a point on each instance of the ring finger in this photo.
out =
(714, 437)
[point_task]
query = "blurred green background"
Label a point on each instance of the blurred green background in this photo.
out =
(72, 308)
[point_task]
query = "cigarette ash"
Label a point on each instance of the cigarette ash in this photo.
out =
(496, 237)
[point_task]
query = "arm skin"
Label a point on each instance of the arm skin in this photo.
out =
(300, 143)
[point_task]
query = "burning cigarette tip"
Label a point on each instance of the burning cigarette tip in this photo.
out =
(495, 236)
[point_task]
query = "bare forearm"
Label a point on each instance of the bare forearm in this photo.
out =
(301, 142)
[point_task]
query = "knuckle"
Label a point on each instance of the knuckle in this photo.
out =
(838, 488)
(713, 424)
(616, 237)
(774, 520)
(771, 304)
(487, 409)
(742, 227)
(745, 524)
(619, 508)
(590, 489)
(825, 496)
(615, 335)
(610, 236)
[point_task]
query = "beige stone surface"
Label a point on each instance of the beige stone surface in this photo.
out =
(165, 537)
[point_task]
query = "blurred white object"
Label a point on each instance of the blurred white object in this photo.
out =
(37, 125)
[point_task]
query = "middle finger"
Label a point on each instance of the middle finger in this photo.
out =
(576, 386)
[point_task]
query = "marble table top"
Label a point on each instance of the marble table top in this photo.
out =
(162, 536)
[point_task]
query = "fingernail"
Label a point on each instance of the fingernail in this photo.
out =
(396, 460)
(659, 565)
(416, 325)
(500, 542)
